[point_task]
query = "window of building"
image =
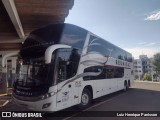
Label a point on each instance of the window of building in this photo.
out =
(135, 62)
(136, 70)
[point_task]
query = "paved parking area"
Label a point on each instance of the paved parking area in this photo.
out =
(143, 96)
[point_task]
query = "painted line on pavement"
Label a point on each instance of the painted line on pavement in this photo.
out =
(3, 95)
(93, 106)
(5, 103)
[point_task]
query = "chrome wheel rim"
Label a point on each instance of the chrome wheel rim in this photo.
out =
(85, 99)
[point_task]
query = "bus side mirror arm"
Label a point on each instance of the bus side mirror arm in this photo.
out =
(51, 49)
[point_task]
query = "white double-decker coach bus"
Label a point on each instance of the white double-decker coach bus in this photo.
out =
(62, 65)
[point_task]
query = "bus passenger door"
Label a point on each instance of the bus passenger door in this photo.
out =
(64, 95)
(68, 94)
(75, 91)
(67, 64)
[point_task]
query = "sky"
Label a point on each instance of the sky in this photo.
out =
(133, 25)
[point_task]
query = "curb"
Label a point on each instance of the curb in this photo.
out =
(147, 81)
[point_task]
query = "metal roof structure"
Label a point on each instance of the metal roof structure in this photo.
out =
(19, 17)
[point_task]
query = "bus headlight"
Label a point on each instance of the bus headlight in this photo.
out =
(47, 95)
(46, 105)
(43, 97)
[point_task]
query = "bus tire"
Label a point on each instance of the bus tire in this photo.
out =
(125, 86)
(129, 84)
(85, 99)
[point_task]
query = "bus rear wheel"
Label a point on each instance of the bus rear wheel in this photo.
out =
(125, 86)
(85, 99)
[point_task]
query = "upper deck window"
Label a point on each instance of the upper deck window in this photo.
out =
(107, 49)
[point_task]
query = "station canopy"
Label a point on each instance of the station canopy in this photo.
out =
(19, 17)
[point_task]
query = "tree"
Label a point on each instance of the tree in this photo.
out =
(147, 77)
(156, 63)
(136, 77)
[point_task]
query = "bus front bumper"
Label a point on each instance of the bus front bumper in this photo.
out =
(41, 105)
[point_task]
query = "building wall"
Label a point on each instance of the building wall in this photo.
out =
(138, 69)
(143, 65)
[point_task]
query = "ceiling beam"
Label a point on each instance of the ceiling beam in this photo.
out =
(10, 46)
(13, 14)
(11, 41)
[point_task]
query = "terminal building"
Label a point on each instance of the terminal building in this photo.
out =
(18, 18)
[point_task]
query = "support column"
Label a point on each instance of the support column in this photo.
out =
(14, 62)
(3, 84)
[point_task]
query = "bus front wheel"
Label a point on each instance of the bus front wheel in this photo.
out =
(85, 99)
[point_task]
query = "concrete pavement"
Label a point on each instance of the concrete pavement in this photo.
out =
(143, 96)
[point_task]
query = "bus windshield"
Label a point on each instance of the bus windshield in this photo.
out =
(33, 73)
